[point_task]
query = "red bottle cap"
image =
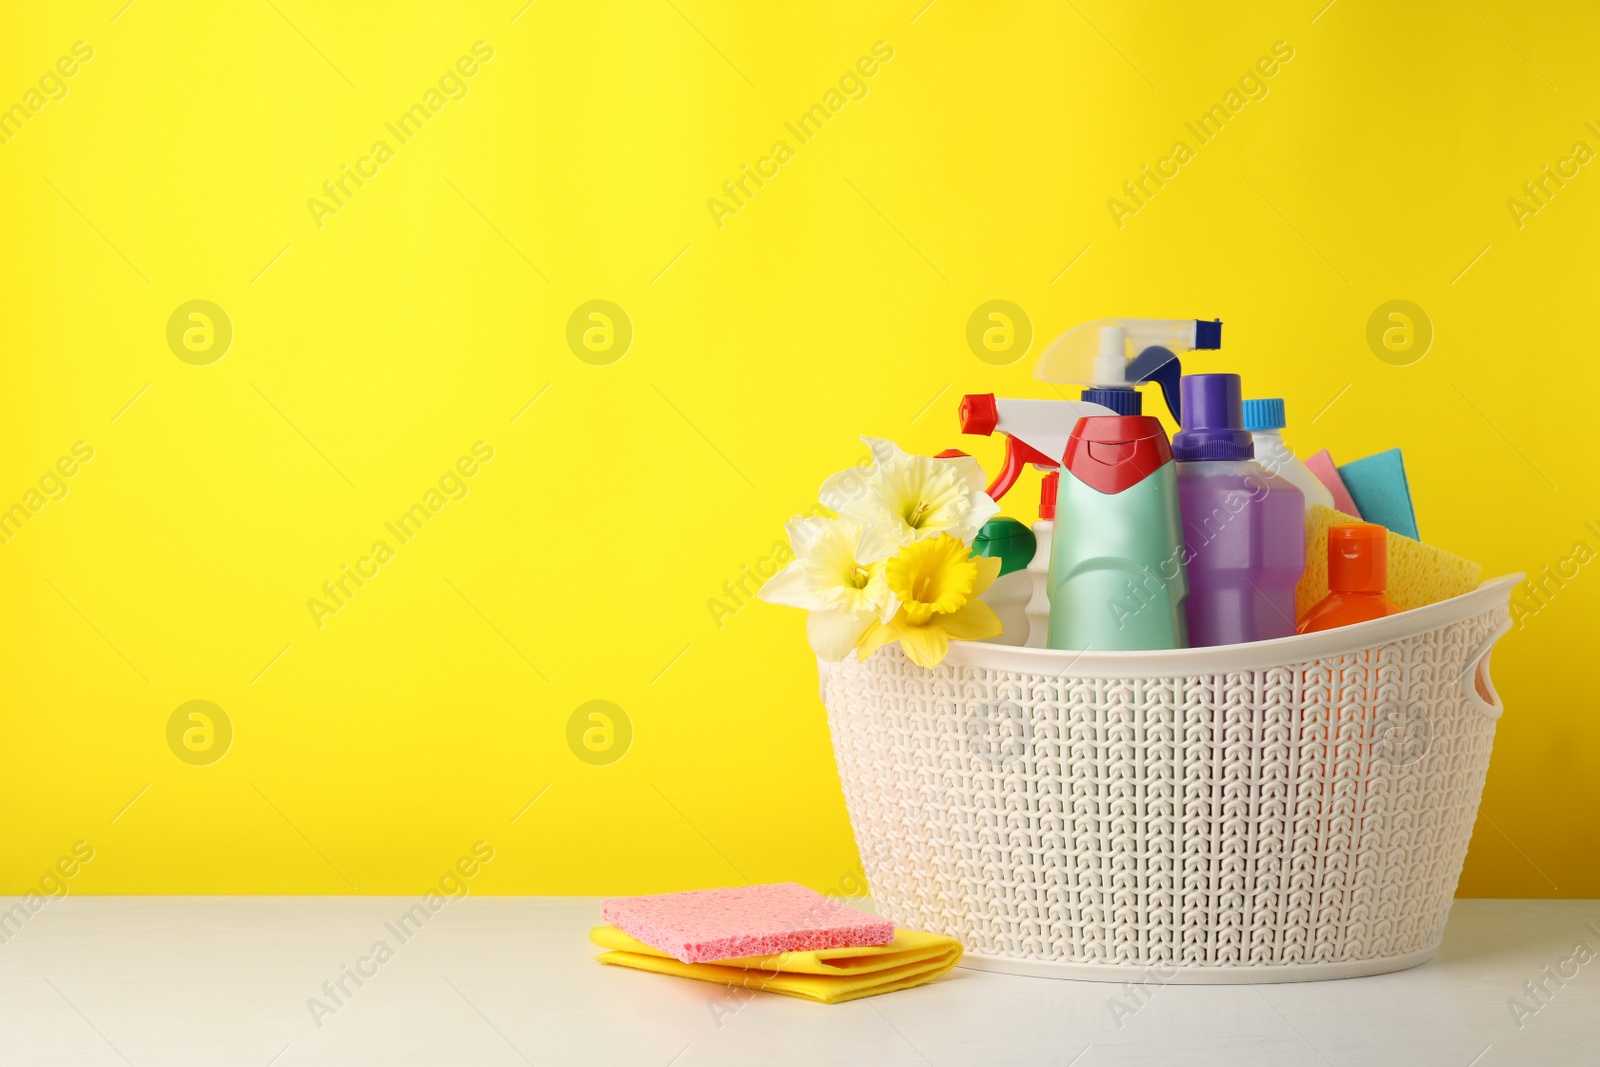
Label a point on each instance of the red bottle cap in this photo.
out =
(1048, 485)
(979, 413)
(1358, 560)
(1111, 452)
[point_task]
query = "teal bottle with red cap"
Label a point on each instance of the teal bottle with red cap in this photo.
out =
(1118, 580)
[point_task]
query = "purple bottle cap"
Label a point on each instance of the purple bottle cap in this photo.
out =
(1213, 421)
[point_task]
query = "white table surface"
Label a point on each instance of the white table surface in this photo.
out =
(215, 981)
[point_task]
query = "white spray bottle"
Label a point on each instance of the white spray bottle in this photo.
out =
(1036, 433)
(1111, 357)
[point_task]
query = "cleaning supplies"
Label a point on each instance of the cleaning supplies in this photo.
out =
(1015, 546)
(1036, 433)
(1379, 488)
(1265, 420)
(757, 920)
(1243, 526)
(782, 938)
(829, 976)
(1109, 357)
(1419, 574)
(1321, 465)
(1117, 577)
(1357, 577)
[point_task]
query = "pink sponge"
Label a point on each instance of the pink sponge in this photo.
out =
(1322, 466)
(722, 924)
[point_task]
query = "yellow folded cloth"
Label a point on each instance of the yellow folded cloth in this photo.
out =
(830, 975)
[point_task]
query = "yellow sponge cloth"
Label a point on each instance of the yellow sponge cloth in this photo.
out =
(829, 975)
(1419, 574)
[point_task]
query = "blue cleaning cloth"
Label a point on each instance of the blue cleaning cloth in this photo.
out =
(1378, 486)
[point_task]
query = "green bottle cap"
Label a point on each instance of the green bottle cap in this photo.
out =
(1008, 540)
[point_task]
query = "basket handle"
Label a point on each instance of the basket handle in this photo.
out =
(1475, 681)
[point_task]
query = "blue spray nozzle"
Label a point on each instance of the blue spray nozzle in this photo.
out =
(1160, 365)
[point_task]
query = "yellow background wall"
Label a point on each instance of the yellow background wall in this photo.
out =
(376, 340)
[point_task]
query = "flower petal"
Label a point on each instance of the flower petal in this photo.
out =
(969, 469)
(880, 540)
(984, 508)
(974, 622)
(788, 587)
(850, 493)
(803, 532)
(988, 571)
(890, 606)
(877, 635)
(834, 633)
(884, 451)
(926, 646)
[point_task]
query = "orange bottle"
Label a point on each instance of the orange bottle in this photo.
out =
(1358, 574)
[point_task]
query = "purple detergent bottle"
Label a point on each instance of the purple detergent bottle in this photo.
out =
(1243, 526)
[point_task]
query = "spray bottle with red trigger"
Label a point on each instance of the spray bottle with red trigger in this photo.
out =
(1036, 433)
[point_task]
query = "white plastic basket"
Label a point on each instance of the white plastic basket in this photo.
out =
(1280, 811)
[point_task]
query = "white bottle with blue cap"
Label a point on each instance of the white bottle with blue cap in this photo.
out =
(1265, 420)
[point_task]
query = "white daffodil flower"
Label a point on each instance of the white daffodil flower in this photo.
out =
(915, 497)
(838, 577)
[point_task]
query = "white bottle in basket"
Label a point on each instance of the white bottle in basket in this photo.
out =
(1012, 544)
(1038, 610)
(1265, 421)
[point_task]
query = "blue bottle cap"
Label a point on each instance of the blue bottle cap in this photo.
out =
(1264, 414)
(1122, 399)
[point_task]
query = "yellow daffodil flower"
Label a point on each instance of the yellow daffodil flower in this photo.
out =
(937, 582)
